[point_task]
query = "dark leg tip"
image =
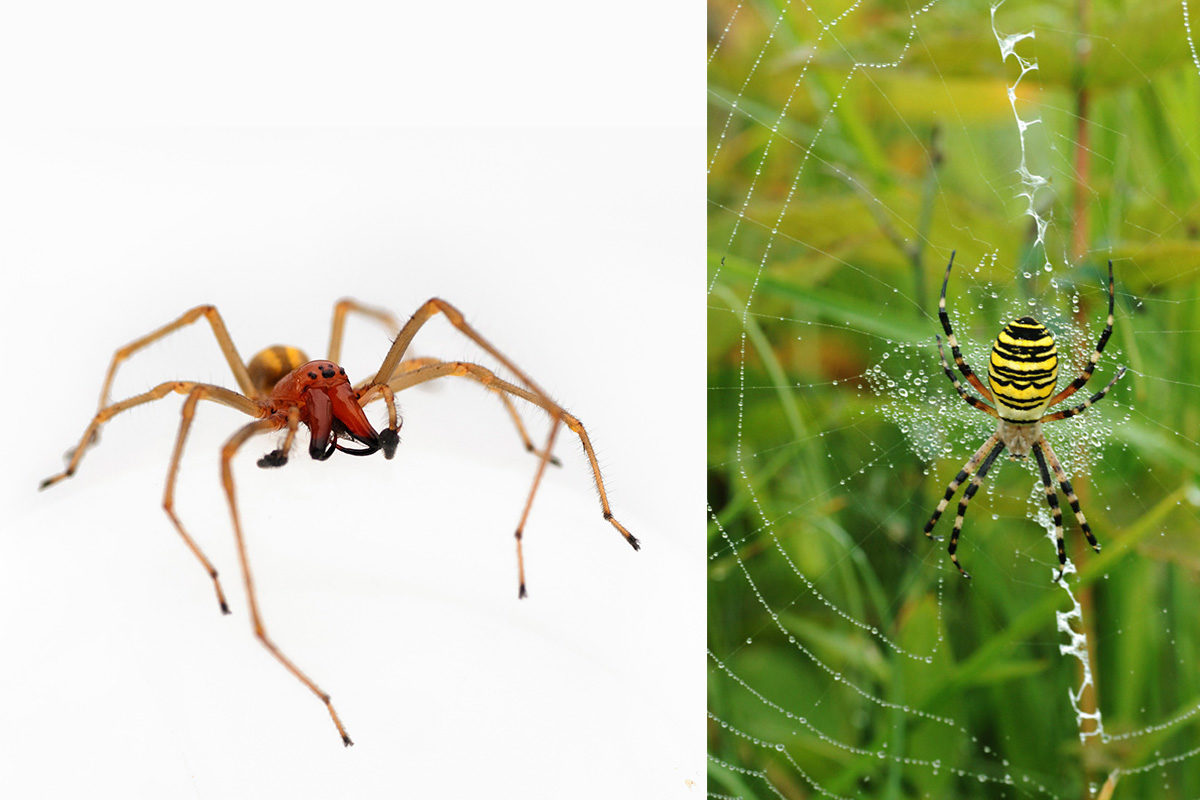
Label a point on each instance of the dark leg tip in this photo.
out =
(53, 479)
(346, 741)
(521, 593)
(389, 439)
(275, 458)
(224, 607)
(1096, 547)
(634, 543)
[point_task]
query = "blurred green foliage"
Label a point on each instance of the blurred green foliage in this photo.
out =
(870, 177)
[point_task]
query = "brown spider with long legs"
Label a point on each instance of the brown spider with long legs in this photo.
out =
(1022, 373)
(283, 390)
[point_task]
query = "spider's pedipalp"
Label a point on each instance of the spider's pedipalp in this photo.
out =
(275, 458)
(389, 439)
(279, 456)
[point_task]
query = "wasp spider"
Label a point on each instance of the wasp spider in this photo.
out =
(1022, 375)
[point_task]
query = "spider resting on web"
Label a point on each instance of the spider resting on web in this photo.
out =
(282, 390)
(1022, 372)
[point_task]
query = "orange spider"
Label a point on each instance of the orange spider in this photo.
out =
(282, 389)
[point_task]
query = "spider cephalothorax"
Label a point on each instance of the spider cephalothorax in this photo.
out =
(328, 405)
(282, 389)
(1022, 374)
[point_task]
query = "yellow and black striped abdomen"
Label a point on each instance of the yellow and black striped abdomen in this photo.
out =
(1023, 369)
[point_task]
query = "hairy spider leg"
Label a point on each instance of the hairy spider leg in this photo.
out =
(1090, 367)
(962, 504)
(223, 340)
(1055, 511)
(227, 453)
(187, 414)
(963, 474)
(411, 364)
(218, 393)
(491, 381)
(368, 389)
(961, 362)
(537, 479)
(1086, 404)
(337, 329)
(475, 372)
(337, 333)
(238, 367)
(422, 315)
(436, 305)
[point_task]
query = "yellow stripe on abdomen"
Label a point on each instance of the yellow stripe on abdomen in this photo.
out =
(1023, 369)
(273, 363)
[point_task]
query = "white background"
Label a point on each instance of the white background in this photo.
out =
(562, 229)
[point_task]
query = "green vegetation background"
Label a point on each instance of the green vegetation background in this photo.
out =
(914, 162)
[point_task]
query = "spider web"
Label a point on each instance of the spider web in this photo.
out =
(853, 146)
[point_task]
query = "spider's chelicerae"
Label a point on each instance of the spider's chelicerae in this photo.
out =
(282, 390)
(1022, 373)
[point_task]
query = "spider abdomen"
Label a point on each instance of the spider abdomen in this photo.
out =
(1023, 369)
(272, 365)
